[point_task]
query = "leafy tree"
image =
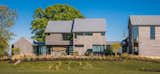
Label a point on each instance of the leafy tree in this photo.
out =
(115, 48)
(7, 18)
(56, 12)
(3, 46)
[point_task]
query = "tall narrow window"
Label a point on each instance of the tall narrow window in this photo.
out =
(135, 33)
(152, 32)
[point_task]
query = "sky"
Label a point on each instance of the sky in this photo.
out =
(116, 13)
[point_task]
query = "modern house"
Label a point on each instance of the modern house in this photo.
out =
(77, 36)
(144, 35)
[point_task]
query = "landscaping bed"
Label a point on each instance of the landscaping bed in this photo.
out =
(81, 67)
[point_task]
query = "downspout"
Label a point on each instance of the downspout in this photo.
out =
(72, 33)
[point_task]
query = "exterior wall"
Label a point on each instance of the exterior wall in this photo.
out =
(88, 41)
(25, 47)
(130, 38)
(149, 47)
(56, 39)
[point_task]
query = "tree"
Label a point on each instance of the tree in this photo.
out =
(56, 12)
(7, 18)
(115, 48)
(3, 46)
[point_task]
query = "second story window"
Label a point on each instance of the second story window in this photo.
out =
(88, 33)
(47, 34)
(67, 36)
(152, 32)
(78, 34)
(102, 33)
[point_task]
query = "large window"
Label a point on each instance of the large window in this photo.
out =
(152, 32)
(98, 48)
(67, 36)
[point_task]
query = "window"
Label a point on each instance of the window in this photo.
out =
(152, 32)
(98, 48)
(67, 36)
(79, 33)
(76, 34)
(102, 33)
(47, 33)
(135, 33)
(79, 45)
(88, 33)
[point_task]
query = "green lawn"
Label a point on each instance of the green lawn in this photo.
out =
(79, 67)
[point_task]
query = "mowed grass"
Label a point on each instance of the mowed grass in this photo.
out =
(79, 67)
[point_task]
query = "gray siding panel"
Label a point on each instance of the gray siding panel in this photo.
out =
(56, 39)
(149, 47)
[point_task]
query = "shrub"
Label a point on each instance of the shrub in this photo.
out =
(89, 52)
(108, 52)
(15, 51)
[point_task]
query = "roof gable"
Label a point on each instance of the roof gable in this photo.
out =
(89, 25)
(58, 26)
(79, 25)
(145, 20)
(31, 41)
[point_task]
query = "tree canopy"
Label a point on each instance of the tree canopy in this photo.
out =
(55, 12)
(7, 19)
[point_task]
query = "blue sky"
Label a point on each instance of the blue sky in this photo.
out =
(116, 13)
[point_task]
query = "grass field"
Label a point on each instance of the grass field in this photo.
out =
(80, 67)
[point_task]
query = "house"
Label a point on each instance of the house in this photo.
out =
(29, 46)
(144, 35)
(76, 36)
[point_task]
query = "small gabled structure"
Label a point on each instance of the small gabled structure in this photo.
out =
(25, 45)
(29, 46)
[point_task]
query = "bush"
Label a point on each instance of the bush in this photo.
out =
(15, 51)
(108, 52)
(75, 53)
(88, 52)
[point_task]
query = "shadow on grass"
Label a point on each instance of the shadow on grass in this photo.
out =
(149, 70)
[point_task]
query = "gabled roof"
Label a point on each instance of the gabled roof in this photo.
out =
(79, 25)
(145, 20)
(31, 41)
(59, 26)
(89, 25)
